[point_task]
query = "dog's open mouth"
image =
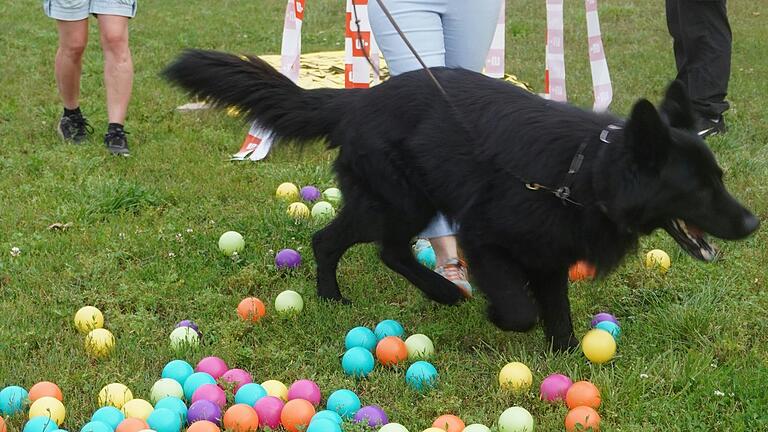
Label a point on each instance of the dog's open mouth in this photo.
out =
(692, 239)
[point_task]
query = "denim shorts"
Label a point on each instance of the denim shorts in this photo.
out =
(76, 10)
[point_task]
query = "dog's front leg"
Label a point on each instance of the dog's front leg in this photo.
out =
(551, 290)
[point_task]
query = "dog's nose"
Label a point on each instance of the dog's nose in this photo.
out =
(750, 224)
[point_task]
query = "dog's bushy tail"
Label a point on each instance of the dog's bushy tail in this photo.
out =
(259, 92)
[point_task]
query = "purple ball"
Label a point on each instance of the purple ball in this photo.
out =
(213, 366)
(238, 377)
(310, 193)
(269, 409)
(204, 410)
(554, 387)
(210, 392)
(604, 316)
(305, 389)
(189, 323)
(287, 258)
(372, 414)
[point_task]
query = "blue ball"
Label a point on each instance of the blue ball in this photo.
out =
(40, 424)
(109, 415)
(96, 426)
(330, 415)
(360, 337)
(174, 404)
(12, 400)
(249, 394)
(60, 430)
(357, 362)
(427, 258)
(164, 420)
(323, 425)
(194, 381)
(178, 370)
(388, 328)
(344, 402)
(421, 376)
(611, 328)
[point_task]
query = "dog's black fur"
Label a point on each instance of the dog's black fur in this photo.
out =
(407, 153)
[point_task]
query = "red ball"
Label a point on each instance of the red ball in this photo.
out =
(582, 393)
(297, 414)
(580, 271)
(391, 350)
(449, 423)
(251, 309)
(582, 418)
(241, 418)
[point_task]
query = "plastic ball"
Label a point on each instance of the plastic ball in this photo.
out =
(42, 424)
(516, 419)
(241, 418)
(476, 427)
(213, 366)
(393, 427)
(43, 389)
(289, 302)
(598, 346)
(99, 343)
(310, 193)
(323, 425)
(305, 389)
(296, 415)
(237, 377)
(391, 350)
(132, 425)
(115, 395)
(433, 429)
(360, 337)
(269, 408)
(298, 210)
(109, 415)
(189, 323)
(184, 337)
(328, 415)
(165, 387)
(603, 316)
(581, 270)
(357, 362)
(344, 402)
(611, 328)
(388, 328)
(174, 404)
(250, 393)
(231, 242)
(210, 392)
(427, 257)
(96, 426)
(204, 410)
(287, 192)
(88, 318)
(419, 347)
(371, 415)
(323, 210)
(137, 408)
(48, 406)
(287, 259)
(554, 387)
(164, 420)
(276, 388)
(12, 400)
(177, 370)
(657, 259)
(582, 418)
(421, 376)
(515, 376)
(449, 423)
(194, 381)
(333, 196)
(583, 393)
(3, 427)
(251, 309)
(203, 426)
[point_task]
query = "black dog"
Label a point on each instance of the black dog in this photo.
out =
(535, 185)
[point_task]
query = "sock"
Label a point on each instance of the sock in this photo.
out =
(72, 112)
(112, 127)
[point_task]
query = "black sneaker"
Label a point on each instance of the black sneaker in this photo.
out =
(74, 127)
(708, 127)
(117, 142)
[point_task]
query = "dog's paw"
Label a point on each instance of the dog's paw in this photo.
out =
(447, 294)
(563, 344)
(510, 321)
(335, 299)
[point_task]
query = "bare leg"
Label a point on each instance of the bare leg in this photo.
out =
(445, 248)
(73, 38)
(118, 66)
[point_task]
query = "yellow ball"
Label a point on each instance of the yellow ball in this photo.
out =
(137, 408)
(598, 346)
(115, 394)
(659, 259)
(49, 407)
(88, 318)
(276, 388)
(298, 210)
(288, 192)
(515, 376)
(434, 429)
(99, 343)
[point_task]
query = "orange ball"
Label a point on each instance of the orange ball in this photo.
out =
(391, 350)
(2, 425)
(582, 393)
(580, 271)
(449, 423)
(297, 413)
(132, 425)
(582, 418)
(203, 426)
(241, 418)
(43, 389)
(251, 309)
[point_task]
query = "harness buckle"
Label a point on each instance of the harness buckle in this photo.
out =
(533, 186)
(563, 192)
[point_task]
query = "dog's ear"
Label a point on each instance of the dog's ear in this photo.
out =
(647, 135)
(676, 106)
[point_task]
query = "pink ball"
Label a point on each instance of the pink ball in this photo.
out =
(210, 392)
(269, 408)
(238, 377)
(213, 366)
(554, 387)
(305, 389)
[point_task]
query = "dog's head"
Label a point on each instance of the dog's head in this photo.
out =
(674, 181)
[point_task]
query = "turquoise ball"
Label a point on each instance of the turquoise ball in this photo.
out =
(323, 425)
(178, 370)
(12, 400)
(330, 415)
(427, 257)
(174, 404)
(388, 328)
(421, 376)
(164, 420)
(357, 362)
(361, 337)
(41, 424)
(611, 328)
(194, 382)
(344, 402)
(96, 426)
(249, 394)
(109, 415)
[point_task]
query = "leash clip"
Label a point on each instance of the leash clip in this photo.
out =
(533, 186)
(563, 192)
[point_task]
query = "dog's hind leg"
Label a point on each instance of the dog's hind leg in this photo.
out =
(551, 291)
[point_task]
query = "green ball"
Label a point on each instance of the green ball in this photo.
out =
(289, 302)
(183, 337)
(516, 419)
(419, 347)
(164, 388)
(231, 242)
(332, 195)
(323, 210)
(476, 427)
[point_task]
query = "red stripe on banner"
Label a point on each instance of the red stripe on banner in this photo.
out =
(360, 2)
(365, 38)
(348, 26)
(299, 8)
(250, 143)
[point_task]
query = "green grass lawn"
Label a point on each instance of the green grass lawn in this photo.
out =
(142, 245)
